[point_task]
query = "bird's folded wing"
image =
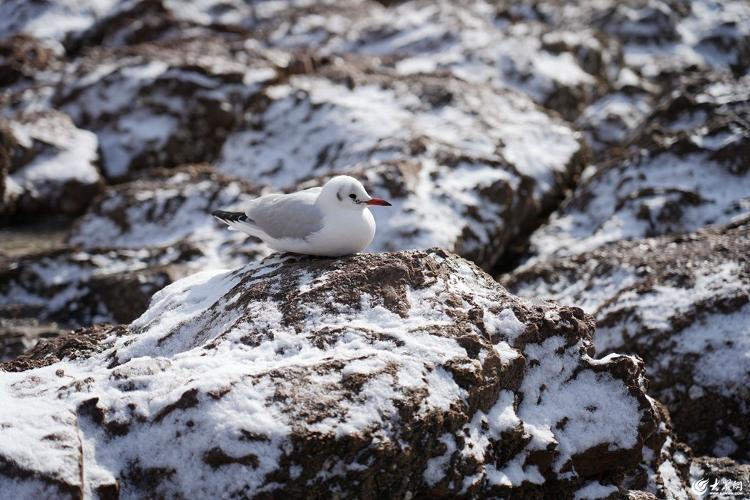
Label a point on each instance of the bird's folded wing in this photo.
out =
(287, 215)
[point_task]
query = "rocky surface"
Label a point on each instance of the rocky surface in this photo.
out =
(19, 335)
(123, 124)
(162, 105)
(51, 165)
(386, 374)
(171, 207)
(685, 170)
(682, 303)
(486, 44)
(75, 287)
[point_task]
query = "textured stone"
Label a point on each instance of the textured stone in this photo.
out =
(371, 375)
(682, 303)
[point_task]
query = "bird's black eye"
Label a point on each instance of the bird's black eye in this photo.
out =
(353, 196)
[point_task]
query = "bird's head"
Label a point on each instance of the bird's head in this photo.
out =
(344, 192)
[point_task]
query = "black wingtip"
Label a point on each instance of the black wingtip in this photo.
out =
(229, 216)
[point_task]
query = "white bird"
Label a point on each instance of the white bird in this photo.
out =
(331, 221)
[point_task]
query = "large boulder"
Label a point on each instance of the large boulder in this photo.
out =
(397, 375)
(682, 303)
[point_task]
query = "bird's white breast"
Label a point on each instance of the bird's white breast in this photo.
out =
(344, 232)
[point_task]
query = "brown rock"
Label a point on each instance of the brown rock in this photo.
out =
(431, 381)
(682, 303)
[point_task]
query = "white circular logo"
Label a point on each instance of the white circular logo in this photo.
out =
(700, 487)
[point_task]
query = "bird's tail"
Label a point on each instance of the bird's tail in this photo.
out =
(238, 221)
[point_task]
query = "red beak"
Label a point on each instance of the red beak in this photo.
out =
(378, 201)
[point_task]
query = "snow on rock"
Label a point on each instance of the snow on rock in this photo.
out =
(466, 168)
(52, 164)
(685, 170)
(661, 37)
(169, 207)
(609, 122)
(407, 374)
(75, 287)
(137, 237)
(682, 303)
(53, 20)
(164, 104)
(477, 41)
(288, 23)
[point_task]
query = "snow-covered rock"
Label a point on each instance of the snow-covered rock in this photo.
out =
(53, 20)
(454, 110)
(52, 164)
(172, 207)
(135, 239)
(662, 37)
(467, 168)
(156, 105)
(481, 43)
(408, 374)
(659, 38)
(610, 122)
(75, 287)
(686, 169)
(682, 303)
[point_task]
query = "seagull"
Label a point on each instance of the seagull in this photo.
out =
(331, 221)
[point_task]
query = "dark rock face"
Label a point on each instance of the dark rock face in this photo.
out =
(390, 374)
(682, 303)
